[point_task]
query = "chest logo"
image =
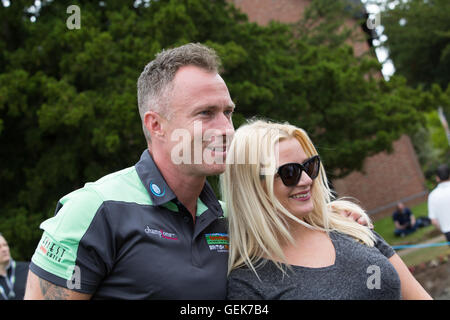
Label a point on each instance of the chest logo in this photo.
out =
(160, 233)
(218, 242)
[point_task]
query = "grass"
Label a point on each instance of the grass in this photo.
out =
(419, 256)
(385, 227)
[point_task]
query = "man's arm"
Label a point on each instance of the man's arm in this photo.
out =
(413, 220)
(435, 223)
(398, 226)
(40, 289)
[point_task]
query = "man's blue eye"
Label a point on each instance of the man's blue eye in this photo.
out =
(228, 113)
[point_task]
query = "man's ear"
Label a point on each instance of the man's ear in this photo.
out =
(153, 123)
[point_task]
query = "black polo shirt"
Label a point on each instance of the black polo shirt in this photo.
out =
(126, 236)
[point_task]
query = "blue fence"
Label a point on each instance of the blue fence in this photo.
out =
(421, 245)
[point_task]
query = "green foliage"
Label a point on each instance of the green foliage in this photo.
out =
(68, 111)
(418, 39)
(418, 34)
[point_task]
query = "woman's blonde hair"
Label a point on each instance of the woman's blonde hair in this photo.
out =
(258, 223)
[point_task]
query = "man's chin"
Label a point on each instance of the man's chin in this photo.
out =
(213, 169)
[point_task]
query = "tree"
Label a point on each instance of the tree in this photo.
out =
(418, 39)
(68, 111)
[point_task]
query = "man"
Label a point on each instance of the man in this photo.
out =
(404, 220)
(154, 230)
(439, 201)
(13, 274)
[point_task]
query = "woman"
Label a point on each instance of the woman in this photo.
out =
(288, 239)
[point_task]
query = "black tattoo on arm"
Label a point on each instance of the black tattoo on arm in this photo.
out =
(53, 292)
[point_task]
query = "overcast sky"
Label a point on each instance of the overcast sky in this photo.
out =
(382, 53)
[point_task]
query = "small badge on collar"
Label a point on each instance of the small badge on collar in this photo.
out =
(156, 190)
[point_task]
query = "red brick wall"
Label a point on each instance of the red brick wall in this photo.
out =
(388, 178)
(263, 11)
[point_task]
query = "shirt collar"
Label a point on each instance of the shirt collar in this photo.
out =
(154, 182)
(160, 192)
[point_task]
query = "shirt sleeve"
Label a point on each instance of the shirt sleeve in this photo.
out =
(431, 210)
(394, 216)
(408, 212)
(64, 255)
(383, 246)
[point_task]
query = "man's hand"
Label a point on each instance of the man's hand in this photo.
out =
(350, 210)
(358, 218)
(399, 226)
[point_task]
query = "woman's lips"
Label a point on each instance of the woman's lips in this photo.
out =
(301, 196)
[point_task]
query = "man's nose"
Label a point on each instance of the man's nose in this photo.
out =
(224, 124)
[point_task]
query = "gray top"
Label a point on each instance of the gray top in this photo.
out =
(359, 272)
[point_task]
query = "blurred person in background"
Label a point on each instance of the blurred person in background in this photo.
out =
(439, 201)
(13, 274)
(404, 220)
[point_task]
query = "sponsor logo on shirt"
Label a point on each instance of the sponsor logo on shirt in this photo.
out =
(218, 242)
(51, 249)
(156, 190)
(160, 233)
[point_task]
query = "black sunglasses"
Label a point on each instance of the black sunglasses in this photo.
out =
(290, 173)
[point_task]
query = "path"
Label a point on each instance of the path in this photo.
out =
(440, 238)
(436, 279)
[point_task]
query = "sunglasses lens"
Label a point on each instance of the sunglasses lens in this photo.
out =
(290, 174)
(312, 167)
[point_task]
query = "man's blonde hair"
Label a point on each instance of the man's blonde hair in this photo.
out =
(258, 223)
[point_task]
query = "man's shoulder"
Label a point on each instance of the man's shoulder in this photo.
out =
(436, 192)
(124, 185)
(106, 186)
(80, 206)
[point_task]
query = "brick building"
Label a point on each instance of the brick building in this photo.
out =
(386, 178)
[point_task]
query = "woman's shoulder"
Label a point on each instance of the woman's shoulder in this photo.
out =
(262, 266)
(380, 244)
